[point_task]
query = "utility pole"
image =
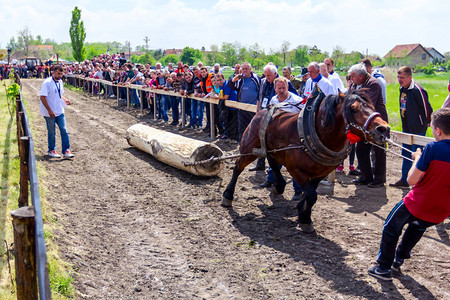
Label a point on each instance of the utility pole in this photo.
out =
(146, 40)
(128, 45)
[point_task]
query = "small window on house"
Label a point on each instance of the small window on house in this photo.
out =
(424, 56)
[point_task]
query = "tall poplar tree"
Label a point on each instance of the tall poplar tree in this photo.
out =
(77, 35)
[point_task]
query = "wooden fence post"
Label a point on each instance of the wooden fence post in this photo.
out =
(154, 106)
(25, 253)
(183, 113)
(212, 125)
(23, 156)
(128, 97)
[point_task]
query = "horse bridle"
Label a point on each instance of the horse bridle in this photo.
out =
(363, 129)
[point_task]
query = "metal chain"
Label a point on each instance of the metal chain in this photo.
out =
(220, 158)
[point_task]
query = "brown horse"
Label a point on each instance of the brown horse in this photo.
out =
(330, 118)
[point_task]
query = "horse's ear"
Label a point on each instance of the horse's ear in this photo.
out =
(341, 94)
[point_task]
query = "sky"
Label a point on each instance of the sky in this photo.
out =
(366, 26)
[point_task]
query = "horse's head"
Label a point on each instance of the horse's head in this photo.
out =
(362, 119)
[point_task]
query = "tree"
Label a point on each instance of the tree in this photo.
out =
(38, 40)
(24, 40)
(157, 54)
(229, 53)
(284, 49)
(77, 35)
(191, 55)
(171, 58)
(301, 56)
(146, 58)
(11, 44)
(214, 56)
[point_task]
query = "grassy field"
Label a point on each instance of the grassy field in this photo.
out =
(60, 279)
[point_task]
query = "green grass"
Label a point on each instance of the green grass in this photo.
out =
(61, 281)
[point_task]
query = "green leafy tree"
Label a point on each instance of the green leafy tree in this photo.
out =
(146, 58)
(191, 55)
(24, 40)
(77, 35)
(171, 58)
(11, 44)
(229, 54)
(134, 58)
(301, 56)
(215, 56)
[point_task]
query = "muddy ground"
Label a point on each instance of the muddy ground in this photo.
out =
(135, 228)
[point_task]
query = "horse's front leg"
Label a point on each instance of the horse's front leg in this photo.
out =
(241, 163)
(280, 182)
(304, 207)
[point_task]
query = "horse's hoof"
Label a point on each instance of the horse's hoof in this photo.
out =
(226, 202)
(307, 228)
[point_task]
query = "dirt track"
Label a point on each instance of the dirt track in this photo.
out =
(135, 228)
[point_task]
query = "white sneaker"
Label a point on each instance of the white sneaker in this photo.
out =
(68, 154)
(53, 154)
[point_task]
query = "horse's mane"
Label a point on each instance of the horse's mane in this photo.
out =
(331, 101)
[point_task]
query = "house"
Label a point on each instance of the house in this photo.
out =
(409, 54)
(437, 56)
(177, 52)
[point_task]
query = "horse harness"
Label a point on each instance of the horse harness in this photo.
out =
(309, 140)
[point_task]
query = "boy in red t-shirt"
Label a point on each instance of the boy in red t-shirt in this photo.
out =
(427, 204)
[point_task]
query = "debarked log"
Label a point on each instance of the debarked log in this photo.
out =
(176, 150)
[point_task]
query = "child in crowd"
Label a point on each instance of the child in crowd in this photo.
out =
(427, 204)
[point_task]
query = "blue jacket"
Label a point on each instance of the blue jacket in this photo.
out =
(237, 86)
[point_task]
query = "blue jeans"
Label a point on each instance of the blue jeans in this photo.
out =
(175, 111)
(135, 97)
(407, 164)
(197, 112)
(164, 107)
(51, 133)
(271, 178)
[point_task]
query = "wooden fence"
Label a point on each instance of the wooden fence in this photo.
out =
(30, 252)
(396, 136)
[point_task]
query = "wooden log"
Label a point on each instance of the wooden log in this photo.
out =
(25, 253)
(174, 149)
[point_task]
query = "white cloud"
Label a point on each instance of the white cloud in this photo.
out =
(352, 24)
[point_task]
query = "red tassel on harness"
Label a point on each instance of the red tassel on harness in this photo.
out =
(353, 138)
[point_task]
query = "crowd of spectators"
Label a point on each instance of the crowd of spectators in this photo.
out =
(198, 81)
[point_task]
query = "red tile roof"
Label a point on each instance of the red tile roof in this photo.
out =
(401, 50)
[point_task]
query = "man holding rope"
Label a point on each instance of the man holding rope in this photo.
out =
(427, 204)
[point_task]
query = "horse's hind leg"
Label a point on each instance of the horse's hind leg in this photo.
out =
(305, 205)
(241, 163)
(279, 183)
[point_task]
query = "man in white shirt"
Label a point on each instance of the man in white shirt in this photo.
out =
(335, 81)
(295, 105)
(317, 79)
(284, 96)
(332, 74)
(52, 109)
